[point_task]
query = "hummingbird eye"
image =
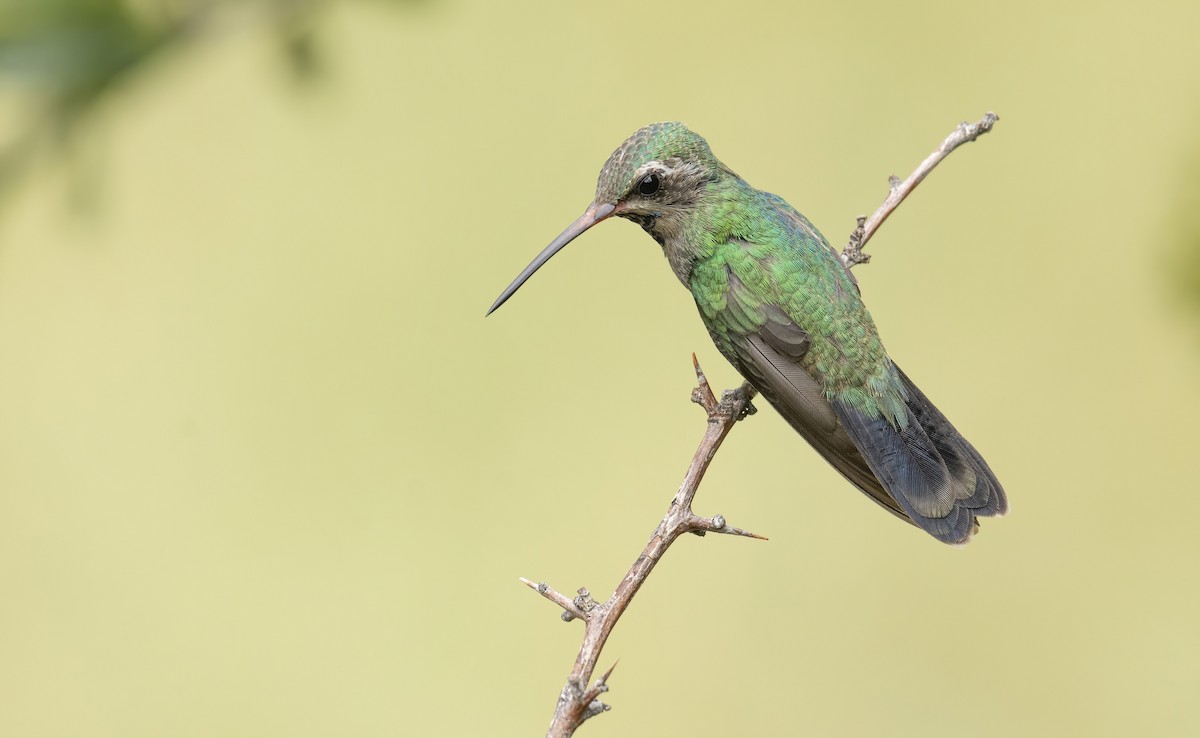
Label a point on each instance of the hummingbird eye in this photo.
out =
(648, 185)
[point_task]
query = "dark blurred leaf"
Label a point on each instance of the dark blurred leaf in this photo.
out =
(296, 21)
(67, 55)
(1185, 226)
(68, 49)
(301, 49)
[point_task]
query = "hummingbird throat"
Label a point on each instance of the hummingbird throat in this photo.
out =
(648, 221)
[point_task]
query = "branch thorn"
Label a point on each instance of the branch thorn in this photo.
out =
(703, 395)
(601, 685)
(570, 610)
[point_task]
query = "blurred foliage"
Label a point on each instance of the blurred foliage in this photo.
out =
(1185, 227)
(63, 58)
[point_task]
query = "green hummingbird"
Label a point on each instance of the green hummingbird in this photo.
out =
(780, 305)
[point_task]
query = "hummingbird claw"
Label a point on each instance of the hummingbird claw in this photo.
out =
(747, 411)
(742, 395)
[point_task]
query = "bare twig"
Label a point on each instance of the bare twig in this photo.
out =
(853, 253)
(577, 702)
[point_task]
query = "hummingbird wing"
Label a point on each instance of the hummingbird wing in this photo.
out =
(769, 359)
(922, 470)
(765, 345)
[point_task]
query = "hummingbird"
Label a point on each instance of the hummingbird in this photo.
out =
(783, 309)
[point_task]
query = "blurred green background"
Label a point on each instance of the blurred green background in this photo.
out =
(265, 470)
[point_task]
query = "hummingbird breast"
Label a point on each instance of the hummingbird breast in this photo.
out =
(769, 264)
(669, 232)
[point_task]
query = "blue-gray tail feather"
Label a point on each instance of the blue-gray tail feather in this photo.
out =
(936, 476)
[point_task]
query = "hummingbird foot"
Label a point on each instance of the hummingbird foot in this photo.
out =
(736, 402)
(748, 409)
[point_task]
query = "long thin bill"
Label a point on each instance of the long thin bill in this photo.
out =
(593, 215)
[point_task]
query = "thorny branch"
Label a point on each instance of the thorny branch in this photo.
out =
(577, 702)
(964, 133)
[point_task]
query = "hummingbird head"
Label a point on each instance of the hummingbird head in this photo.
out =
(661, 165)
(655, 178)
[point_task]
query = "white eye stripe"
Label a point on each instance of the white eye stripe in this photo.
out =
(656, 167)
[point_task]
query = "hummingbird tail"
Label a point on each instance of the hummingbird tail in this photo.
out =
(935, 475)
(987, 498)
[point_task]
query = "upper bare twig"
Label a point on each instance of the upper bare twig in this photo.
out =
(853, 253)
